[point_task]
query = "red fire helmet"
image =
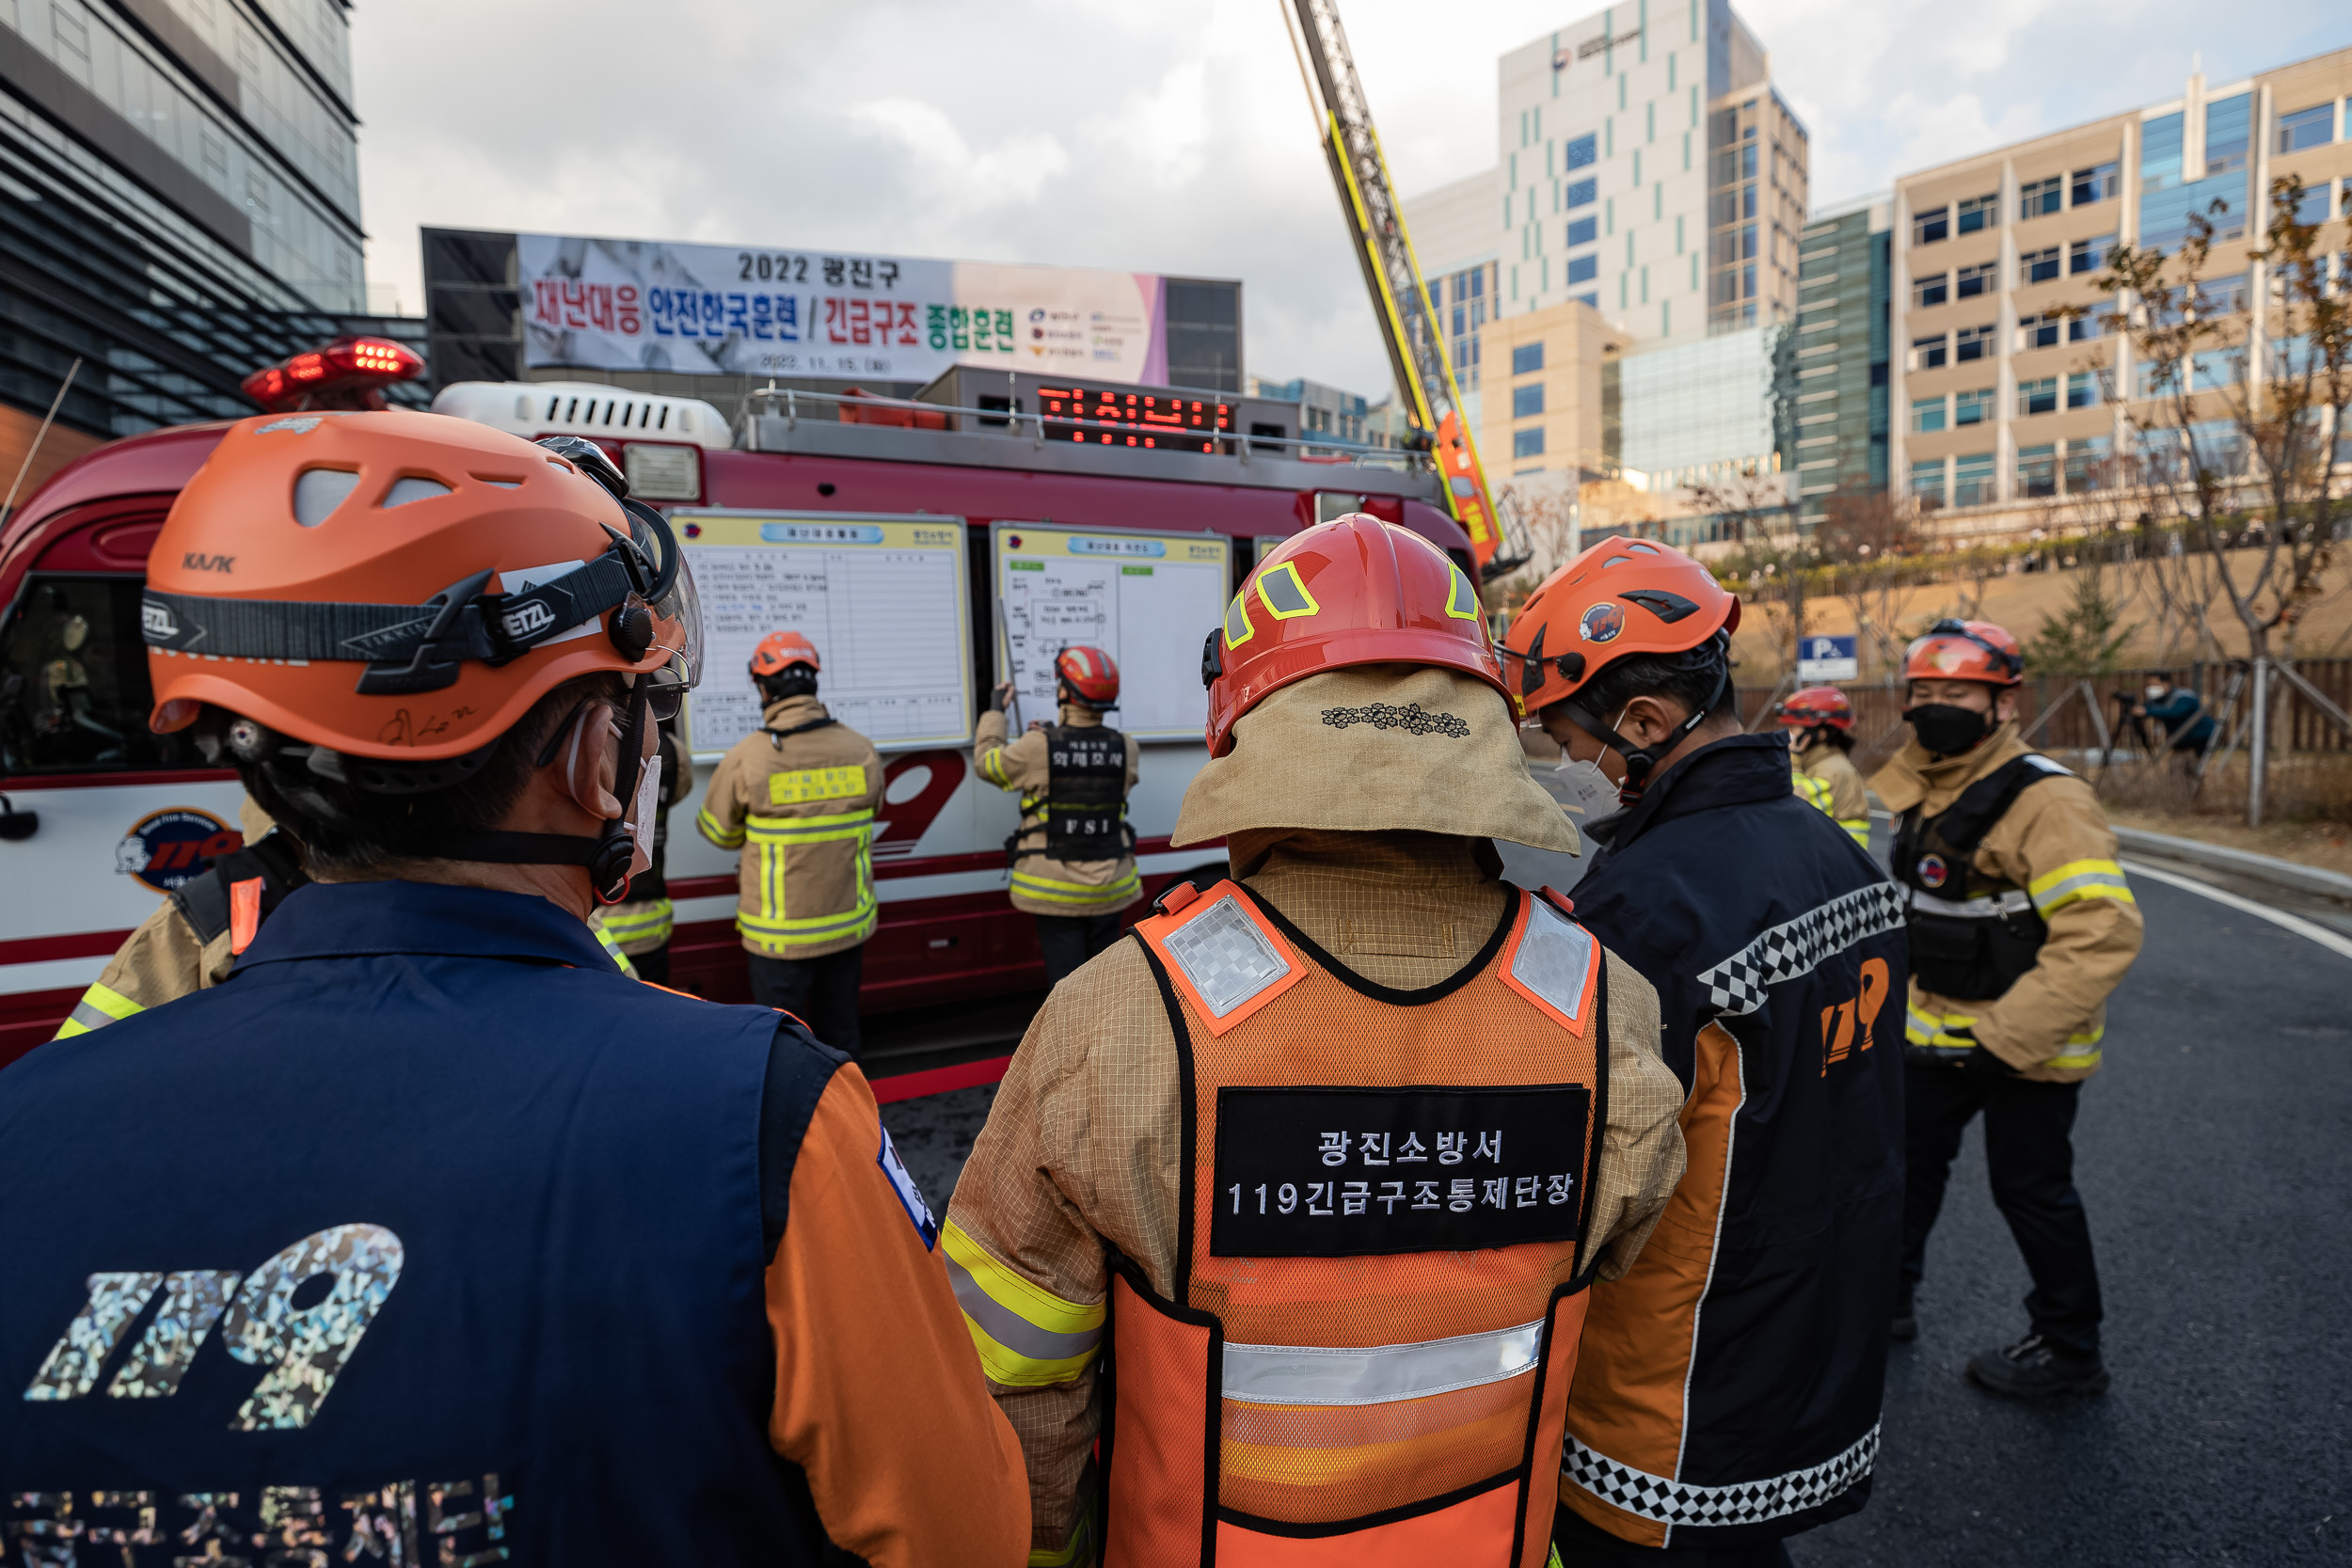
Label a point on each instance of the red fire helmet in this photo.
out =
(1090, 674)
(1352, 591)
(1965, 651)
(1818, 705)
(1622, 596)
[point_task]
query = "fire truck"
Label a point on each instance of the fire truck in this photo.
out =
(101, 818)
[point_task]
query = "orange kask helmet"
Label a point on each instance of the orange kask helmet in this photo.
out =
(1622, 596)
(780, 650)
(1954, 650)
(378, 597)
(1352, 591)
(1818, 705)
(1090, 676)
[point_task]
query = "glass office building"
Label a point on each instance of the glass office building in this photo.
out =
(178, 206)
(1841, 357)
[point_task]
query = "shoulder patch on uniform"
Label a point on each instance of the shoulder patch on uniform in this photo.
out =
(2036, 759)
(910, 1196)
(1225, 958)
(1555, 961)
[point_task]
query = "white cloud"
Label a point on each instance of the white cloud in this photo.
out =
(1097, 133)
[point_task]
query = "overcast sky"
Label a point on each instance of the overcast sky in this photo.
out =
(1153, 138)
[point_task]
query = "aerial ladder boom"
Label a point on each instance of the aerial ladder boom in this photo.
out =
(1400, 300)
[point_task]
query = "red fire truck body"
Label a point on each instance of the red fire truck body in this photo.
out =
(121, 815)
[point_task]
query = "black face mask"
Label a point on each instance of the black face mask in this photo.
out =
(1946, 728)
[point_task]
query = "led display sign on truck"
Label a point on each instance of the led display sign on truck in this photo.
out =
(651, 305)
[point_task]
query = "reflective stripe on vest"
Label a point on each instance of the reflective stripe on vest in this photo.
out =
(1383, 1382)
(1988, 907)
(1027, 1337)
(2078, 880)
(652, 921)
(100, 1006)
(1857, 828)
(772, 926)
(613, 951)
(1079, 897)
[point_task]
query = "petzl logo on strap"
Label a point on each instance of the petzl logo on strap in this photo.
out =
(156, 622)
(528, 619)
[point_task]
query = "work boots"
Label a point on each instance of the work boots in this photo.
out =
(2032, 1369)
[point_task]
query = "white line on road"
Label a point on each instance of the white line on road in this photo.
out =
(2297, 924)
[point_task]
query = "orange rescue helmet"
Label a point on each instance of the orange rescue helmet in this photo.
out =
(404, 586)
(1090, 675)
(1818, 705)
(1352, 591)
(1622, 596)
(1954, 650)
(780, 650)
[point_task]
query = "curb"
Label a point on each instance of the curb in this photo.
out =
(2243, 863)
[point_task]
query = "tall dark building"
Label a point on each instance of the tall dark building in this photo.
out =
(178, 206)
(1841, 354)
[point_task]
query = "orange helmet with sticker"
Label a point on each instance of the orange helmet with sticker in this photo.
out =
(1090, 676)
(1352, 591)
(1954, 650)
(780, 650)
(1622, 596)
(404, 586)
(1818, 705)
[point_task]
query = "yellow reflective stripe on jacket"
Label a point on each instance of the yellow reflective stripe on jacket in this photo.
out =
(1857, 828)
(1078, 1548)
(1814, 790)
(809, 830)
(803, 784)
(100, 1006)
(613, 951)
(710, 828)
(2055, 889)
(1935, 1031)
(993, 768)
(651, 922)
(773, 927)
(1077, 894)
(1027, 1337)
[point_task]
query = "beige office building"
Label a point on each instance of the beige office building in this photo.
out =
(1998, 409)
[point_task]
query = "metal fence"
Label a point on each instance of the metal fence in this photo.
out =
(1879, 733)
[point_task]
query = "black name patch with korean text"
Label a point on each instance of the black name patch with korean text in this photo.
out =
(1346, 1172)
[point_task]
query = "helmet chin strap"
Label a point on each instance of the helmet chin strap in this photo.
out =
(1641, 760)
(607, 854)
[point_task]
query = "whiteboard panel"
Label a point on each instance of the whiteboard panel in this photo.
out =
(1147, 599)
(885, 599)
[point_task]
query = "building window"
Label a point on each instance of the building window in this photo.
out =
(1583, 151)
(1978, 212)
(1528, 443)
(1583, 231)
(1930, 290)
(1929, 226)
(1584, 269)
(2038, 397)
(1973, 407)
(1927, 483)
(2082, 389)
(2225, 296)
(1583, 193)
(1526, 358)
(2039, 331)
(2037, 471)
(1975, 280)
(1972, 480)
(1527, 401)
(2228, 133)
(2089, 321)
(2037, 267)
(1926, 416)
(1592, 300)
(2311, 127)
(2042, 197)
(2086, 464)
(2313, 207)
(2099, 182)
(1972, 343)
(2089, 255)
(1927, 353)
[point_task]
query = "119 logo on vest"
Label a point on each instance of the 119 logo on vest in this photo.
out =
(1932, 871)
(1347, 1172)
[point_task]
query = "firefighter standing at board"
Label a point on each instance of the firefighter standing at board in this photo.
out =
(2021, 925)
(490, 1201)
(1073, 864)
(1369, 1119)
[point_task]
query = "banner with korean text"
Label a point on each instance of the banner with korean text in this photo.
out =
(650, 305)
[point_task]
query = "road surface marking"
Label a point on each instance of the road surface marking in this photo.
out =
(2297, 924)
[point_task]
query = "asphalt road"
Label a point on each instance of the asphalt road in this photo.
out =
(2214, 1156)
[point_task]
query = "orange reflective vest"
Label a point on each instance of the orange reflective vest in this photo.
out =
(1368, 1357)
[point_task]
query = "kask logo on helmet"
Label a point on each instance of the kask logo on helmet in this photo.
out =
(1601, 622)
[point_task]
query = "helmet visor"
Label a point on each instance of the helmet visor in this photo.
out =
(676, 609)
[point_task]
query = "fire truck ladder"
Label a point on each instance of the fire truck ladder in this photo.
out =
(1409, 323)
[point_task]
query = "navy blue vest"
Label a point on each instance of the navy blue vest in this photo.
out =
(428, 1238)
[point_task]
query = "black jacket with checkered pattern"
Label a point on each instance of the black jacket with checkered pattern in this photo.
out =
(1729, 1385)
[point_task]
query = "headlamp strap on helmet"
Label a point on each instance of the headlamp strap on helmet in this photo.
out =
(607, 854)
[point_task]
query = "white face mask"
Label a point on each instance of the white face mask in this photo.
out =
(641, 815)
(1590, 795)
(2155, 693)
